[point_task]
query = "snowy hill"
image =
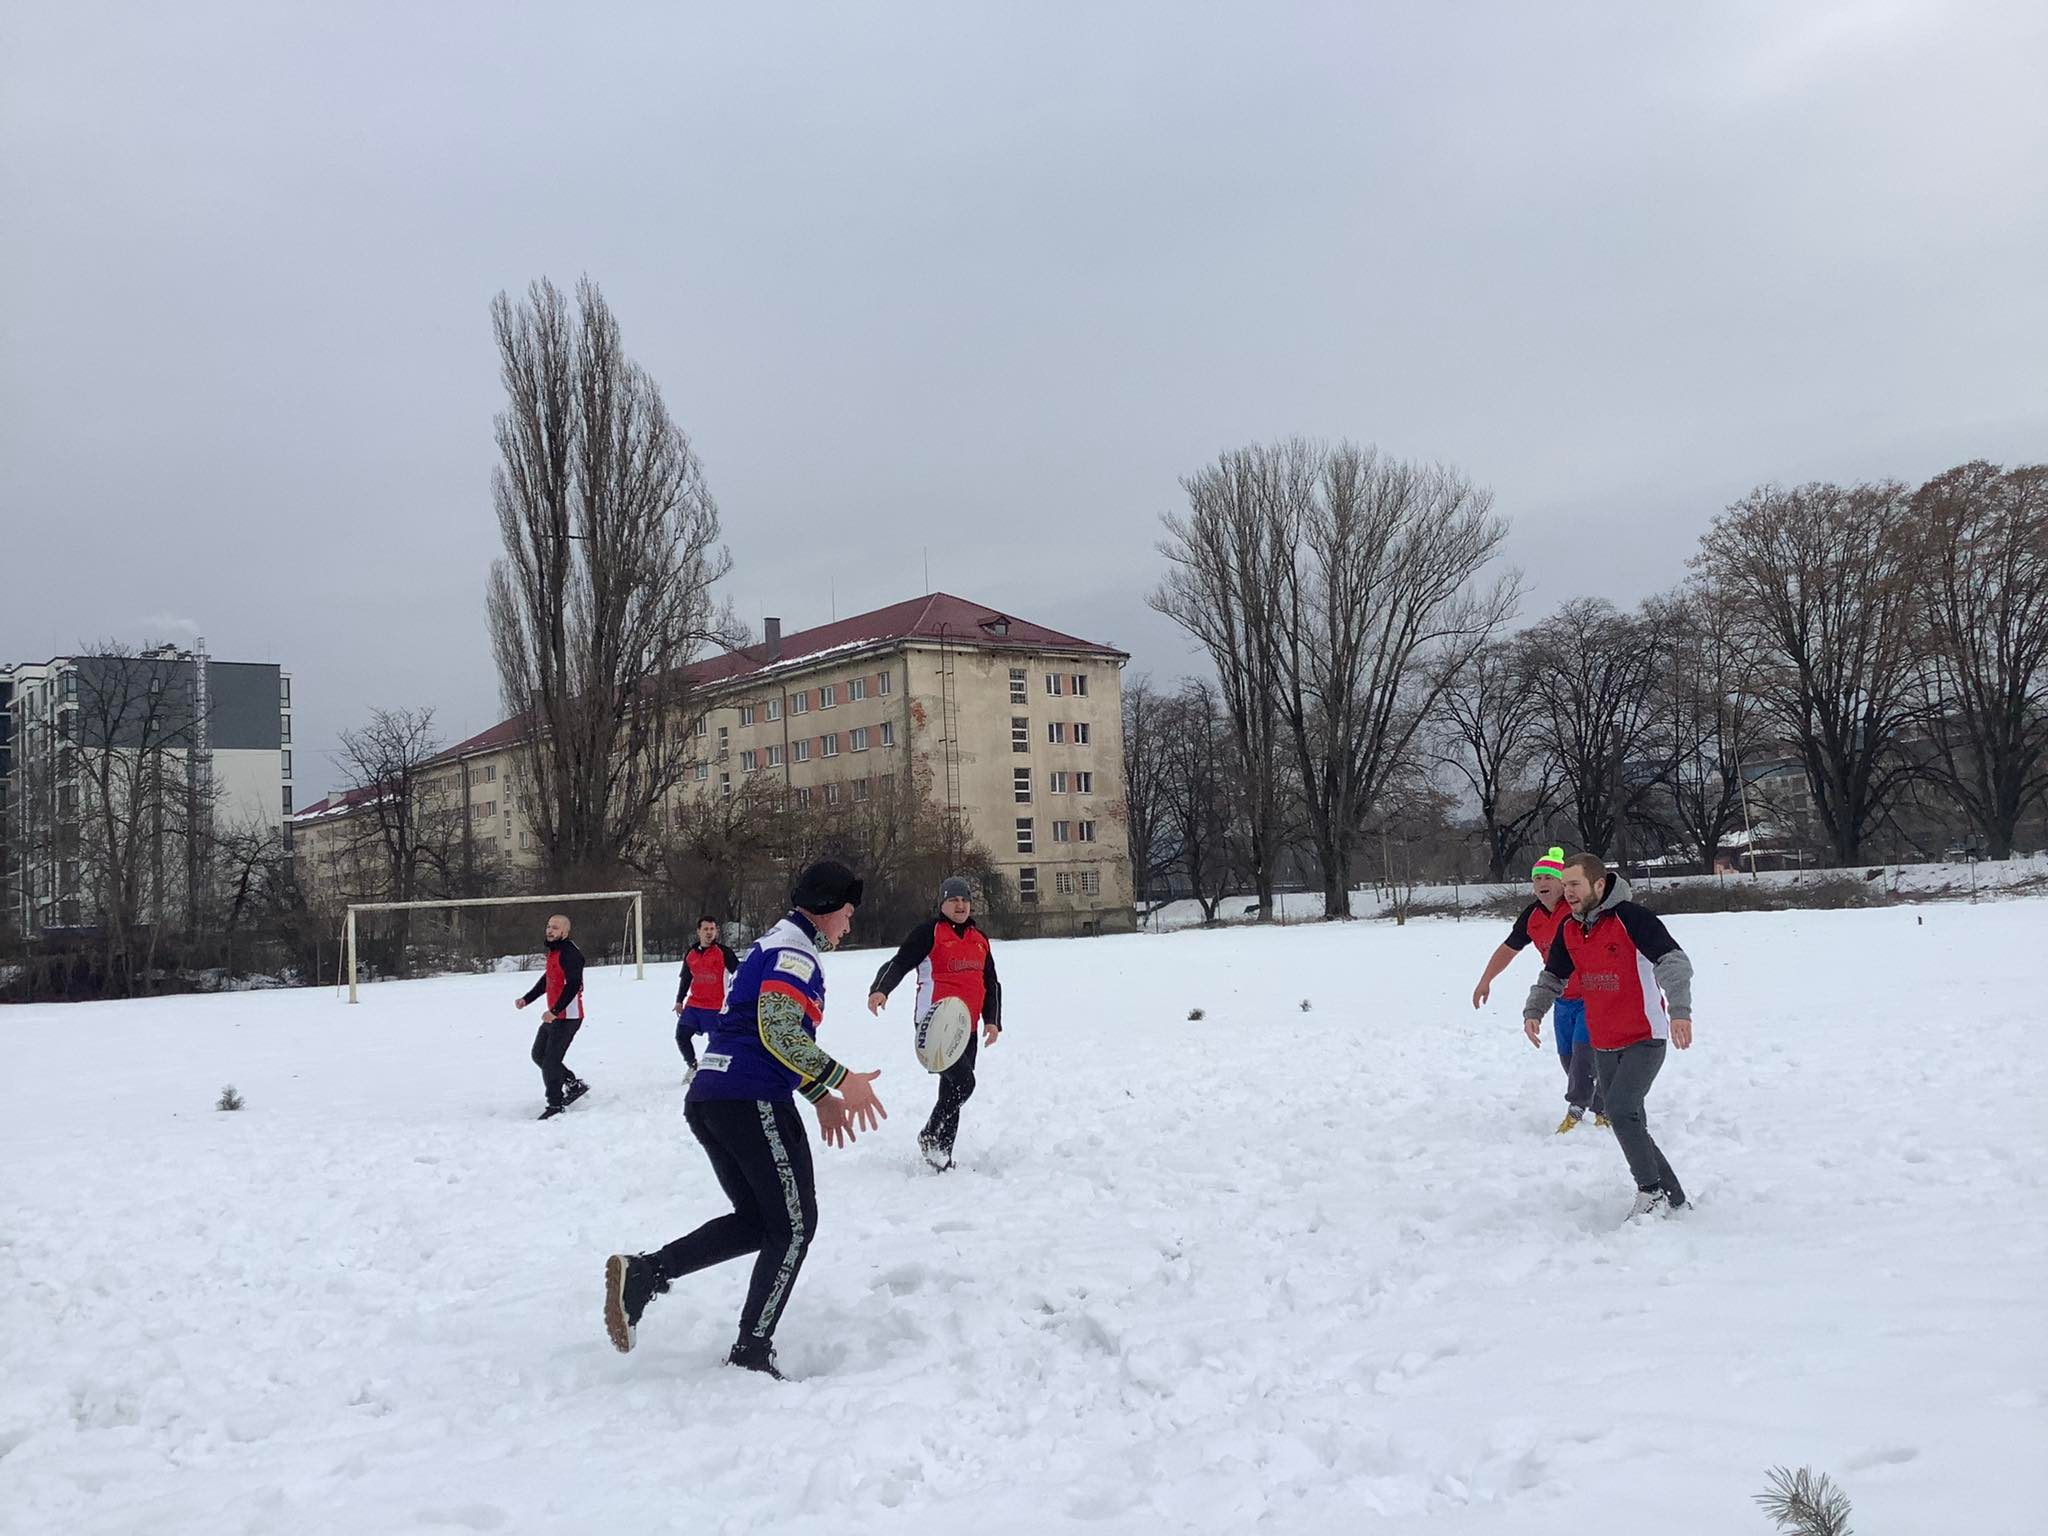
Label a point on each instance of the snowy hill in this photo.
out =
(1273, 1270)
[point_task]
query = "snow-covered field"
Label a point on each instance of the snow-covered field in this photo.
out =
(1271, 1271)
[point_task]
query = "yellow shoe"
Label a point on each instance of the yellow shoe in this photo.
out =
(1603, 1122)
(1570, 1122)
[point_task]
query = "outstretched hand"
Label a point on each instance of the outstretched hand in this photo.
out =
(832, 1124)
(858, 1102)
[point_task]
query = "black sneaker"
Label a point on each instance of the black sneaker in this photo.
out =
(576, 1089)
(749, 1355)
(939, 1159)
(628, 1287)
(551, 1111)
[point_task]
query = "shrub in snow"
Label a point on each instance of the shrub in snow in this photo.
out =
(1304, 1005)
(229, 1099)
(1193, 1014)
(1805, 1503)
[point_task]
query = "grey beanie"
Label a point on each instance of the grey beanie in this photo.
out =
(955, 886)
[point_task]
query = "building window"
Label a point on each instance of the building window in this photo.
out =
(490, 773)
(883, 686)
(746, 762)
(859, 742)
(1023, 834)
(703, 728)
(828, 696)
(724, 741)
(1020, 780)
(800, 703)
(1056, 783)
(287, 799)
(1080, 733)
(284, 692)
(746, 714)
(1085, 832)
(1020, 734)
(1056, 732)
(856, 690)
(284, 729)
(725, 785)
(803, 797)
(775, 755)
(1084, 783)
(829, 744)
(775, 709)
(1063, 882)
(1055, 684)
(832, 792)
(1019, 694)
(287, 763)
(1091, 883)
(1027, 884)
(802, 753)
(888, 733)
(1062, 831)
(703, 772)
(1080, 685)
(862, 788)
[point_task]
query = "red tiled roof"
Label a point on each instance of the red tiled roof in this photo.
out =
(941, 616)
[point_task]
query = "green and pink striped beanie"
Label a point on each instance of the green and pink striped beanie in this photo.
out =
(1550, 866)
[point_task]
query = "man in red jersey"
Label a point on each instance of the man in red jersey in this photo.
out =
(1538, 925)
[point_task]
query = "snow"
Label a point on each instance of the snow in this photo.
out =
(1272, 1271)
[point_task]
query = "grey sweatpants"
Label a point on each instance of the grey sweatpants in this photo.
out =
(1625, 1077)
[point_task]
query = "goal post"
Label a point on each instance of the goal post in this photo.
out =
(637, 898)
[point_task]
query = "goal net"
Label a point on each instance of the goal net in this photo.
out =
(583, 907)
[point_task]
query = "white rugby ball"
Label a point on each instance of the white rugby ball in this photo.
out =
(942, 1034)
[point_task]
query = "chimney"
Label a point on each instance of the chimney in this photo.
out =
(771, 637)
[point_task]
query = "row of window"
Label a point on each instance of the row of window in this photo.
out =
(1058, 733)
(1062, 832)
(859, 791)
(1057, 684)
(1061, 782)
(859, 739)
(1065, 882)
(826, 694)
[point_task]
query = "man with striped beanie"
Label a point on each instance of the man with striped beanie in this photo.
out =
(1538, 924)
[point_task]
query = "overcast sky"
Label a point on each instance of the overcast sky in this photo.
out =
(978, 280)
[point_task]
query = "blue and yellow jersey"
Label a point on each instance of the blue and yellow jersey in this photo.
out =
(765, 1044)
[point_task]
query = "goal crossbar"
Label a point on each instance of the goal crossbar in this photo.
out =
(637, 898)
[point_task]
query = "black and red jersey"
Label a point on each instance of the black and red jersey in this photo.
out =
(951, 960)
(706, 971)
(1537, 926)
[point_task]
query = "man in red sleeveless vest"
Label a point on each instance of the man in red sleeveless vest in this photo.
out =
(708, 970)
(561, 984)
(1638, 989)
(1538, 924)
(952, 959)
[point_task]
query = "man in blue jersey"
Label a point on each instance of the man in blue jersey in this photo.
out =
(762, 1048)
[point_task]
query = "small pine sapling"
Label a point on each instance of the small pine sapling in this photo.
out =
(229, 1099)
(1805, 1503)
(1194, 1014)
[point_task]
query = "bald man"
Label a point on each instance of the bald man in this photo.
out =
(562, 985)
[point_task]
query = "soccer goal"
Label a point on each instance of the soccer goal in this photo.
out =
(637, 929)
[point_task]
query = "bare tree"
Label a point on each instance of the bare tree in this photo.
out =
(139, 824)
(1203, 812)
(603, 596)
(1486, 731)
(1227, 559)
(1983, 588)
(1822, 582)
(1377, 615)
(1712, 716)
(1600, 702)
(1146, 748)
(406, 840)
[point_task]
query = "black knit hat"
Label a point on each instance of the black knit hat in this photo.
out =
(955, 887)
(826, 887)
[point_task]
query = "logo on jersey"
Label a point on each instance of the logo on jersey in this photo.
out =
(796, 963)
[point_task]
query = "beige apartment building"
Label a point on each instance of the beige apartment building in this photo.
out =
(1016, 727)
